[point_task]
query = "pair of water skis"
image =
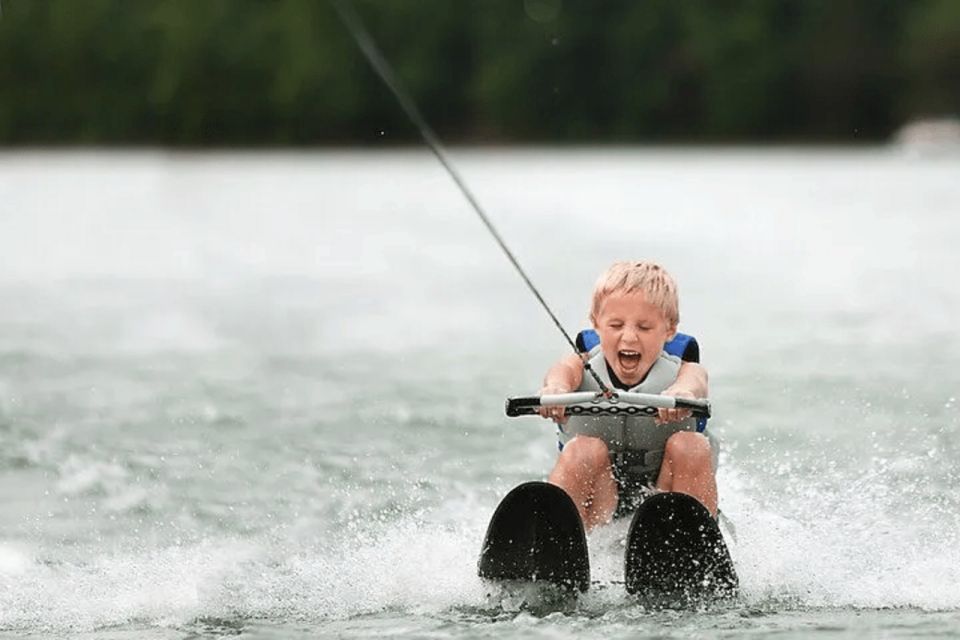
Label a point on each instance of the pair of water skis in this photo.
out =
(675, 552)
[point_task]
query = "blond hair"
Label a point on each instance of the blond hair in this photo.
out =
(651, 279)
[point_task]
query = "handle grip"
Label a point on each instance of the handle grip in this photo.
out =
(589, 403)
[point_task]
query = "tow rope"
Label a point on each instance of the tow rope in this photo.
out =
(354, 25)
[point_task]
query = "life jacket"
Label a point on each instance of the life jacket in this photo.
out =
(636, 443)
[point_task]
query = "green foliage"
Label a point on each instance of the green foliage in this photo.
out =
(931, 54)
(282, 72)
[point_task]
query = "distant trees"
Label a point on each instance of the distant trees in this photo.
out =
(285, 72)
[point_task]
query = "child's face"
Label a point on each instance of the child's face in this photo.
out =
(632, 334)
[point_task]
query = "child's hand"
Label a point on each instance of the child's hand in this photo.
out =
(556, 414)
(666, 416)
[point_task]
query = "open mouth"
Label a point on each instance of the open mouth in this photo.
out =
(628, 359)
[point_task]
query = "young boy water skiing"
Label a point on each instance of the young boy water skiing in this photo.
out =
(607, 464)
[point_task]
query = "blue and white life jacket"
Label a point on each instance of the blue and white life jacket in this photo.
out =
(635, 438)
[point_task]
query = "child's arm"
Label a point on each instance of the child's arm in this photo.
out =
(691, 383)
(563, 377)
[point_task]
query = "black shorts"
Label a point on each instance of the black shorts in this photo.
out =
(633, 488)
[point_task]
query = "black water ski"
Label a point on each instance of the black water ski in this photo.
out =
(675, 551)
(536, 534)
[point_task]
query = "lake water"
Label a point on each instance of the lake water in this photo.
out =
(262, 394)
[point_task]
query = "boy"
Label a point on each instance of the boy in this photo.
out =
(607, 464)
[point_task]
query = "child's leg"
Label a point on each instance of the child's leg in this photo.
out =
(583, 471)
(688, 468)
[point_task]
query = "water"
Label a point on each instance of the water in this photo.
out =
(261, 394)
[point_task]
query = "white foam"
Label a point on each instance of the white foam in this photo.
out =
(14, 561)
(82, 475)
(159, 586)
(822, 548)
(408, 565)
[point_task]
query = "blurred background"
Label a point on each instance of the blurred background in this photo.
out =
(255, 73)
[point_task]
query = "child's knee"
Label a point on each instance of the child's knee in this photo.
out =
(689, 449)
(586, 451)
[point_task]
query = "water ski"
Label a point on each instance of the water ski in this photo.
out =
(675, 551)
(536, 535)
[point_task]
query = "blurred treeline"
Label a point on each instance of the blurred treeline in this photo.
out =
(279, 72)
